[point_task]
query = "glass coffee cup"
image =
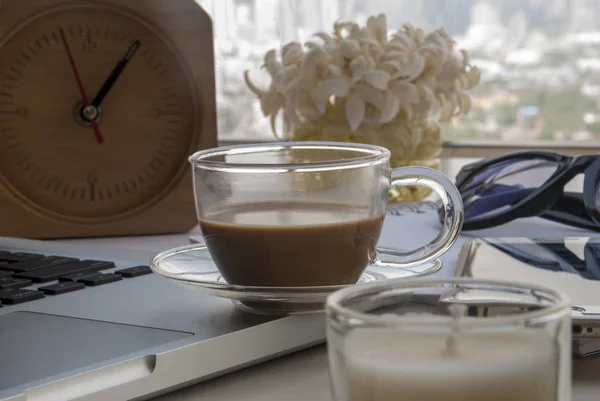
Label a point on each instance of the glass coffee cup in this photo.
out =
(297, 214)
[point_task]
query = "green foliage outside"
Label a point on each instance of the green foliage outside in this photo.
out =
(559, 110)
(506, 115)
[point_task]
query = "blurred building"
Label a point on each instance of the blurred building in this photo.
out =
(584, 15)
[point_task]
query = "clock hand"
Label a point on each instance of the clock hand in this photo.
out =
(116, 73)
(84, 98)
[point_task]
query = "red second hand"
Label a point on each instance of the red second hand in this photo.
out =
(84, 97)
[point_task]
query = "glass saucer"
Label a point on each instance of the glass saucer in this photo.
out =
(192, 266)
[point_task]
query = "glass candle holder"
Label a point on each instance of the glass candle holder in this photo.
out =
(454, 339)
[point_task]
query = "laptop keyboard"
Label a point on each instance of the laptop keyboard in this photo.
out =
(20, 270)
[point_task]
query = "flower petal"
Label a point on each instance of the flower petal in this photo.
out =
(406, 91)
(413, 67)
(400, 47)
(466, 102)
(474, 76)
(391, 67)
(285, 76)
(369, 42)
(355, 111)
(465, 56)
(312, 62)
(378, 79)
(370, 95)
(337, 86)
(372, 25)
(271, 102)
(320, 98)
(403, 42)
(324, 37)
(290, 113)
(312, 46)
(273, 123)
(292, 53)
(349, 48)
(446, 112)
(331, 48)
(255, 89)
(408, 109)
(462, 81)
(340, 27)
(419, 36)
(271, 64)
(359, 66)
(392, 105)
(425, 93)
(297, 85)
(354, 32)
(381, 28)
(335, 70)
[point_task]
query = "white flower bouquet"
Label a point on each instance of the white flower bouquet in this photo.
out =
(361, 84)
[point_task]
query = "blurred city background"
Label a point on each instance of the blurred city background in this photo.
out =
(540, 59)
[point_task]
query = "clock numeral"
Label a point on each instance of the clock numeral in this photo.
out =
(19, 112)
(16, 71)
(158, 113)
(89, 48)
(88, 34)
(92, 179)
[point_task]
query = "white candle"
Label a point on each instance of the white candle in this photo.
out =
(392, 365)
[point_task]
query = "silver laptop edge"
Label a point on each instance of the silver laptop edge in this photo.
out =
(165, 367)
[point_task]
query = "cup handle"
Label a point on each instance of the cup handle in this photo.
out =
(451, 223)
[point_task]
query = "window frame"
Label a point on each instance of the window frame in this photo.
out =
(485, 148)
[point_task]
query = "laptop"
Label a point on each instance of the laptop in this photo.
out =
(121, 333)
(571, 264)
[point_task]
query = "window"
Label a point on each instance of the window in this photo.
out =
(540, 60)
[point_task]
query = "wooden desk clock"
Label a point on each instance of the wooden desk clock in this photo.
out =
(101, 103)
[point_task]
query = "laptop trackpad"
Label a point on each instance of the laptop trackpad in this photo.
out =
(34, 346)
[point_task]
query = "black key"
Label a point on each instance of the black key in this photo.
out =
(35, 264)
(95, 266)
(54, 272)
(100, 278)
(75, 276)
(100, 264)
(134, 271)
(10, 257)
(10, 282)
(17, 296)
(5, 273)
(62, 288)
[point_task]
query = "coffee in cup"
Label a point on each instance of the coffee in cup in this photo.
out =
(291, 244)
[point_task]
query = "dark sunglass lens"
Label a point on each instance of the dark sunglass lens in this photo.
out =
(483, 175)
(597, 196)
(500, 186)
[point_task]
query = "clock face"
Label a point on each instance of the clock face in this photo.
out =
(114, 156)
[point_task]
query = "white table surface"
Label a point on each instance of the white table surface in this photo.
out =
(303, 375)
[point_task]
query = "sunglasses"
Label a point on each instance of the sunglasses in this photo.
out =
(525, 184)
(555, 256)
